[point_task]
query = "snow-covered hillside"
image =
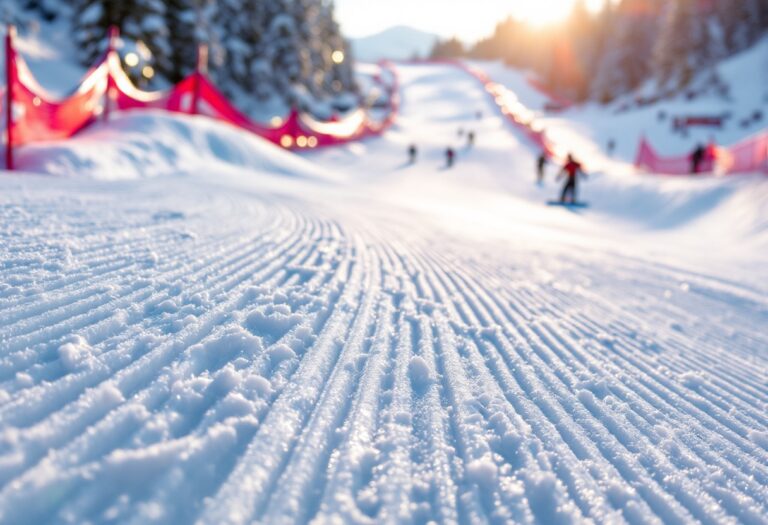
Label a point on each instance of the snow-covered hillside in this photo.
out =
(198, 328)
(743, 106)
(396, 43)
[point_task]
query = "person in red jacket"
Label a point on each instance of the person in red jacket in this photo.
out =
(571, 170)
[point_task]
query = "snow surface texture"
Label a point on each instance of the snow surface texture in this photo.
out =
(191, 336)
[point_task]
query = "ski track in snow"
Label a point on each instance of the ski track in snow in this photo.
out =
(181, 353)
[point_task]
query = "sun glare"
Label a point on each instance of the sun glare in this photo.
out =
(543, 12)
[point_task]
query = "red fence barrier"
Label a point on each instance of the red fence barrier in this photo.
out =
(513, 110)
(516, 113)
(648, 159)
(748, 156)
(34, 116)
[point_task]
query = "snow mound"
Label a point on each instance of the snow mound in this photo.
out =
(419, 372)
(143, 144)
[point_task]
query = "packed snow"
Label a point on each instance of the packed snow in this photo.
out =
(200, 328)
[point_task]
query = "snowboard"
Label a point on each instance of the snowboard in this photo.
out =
(568, 204)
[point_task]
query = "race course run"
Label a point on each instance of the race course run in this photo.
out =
(366, 341)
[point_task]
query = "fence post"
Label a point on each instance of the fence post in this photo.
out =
(114, 33)
(10, 64)
(201, 69)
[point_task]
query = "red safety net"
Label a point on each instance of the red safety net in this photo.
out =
(515, 112)
(37, 116)
(748, 156)
(649, 159)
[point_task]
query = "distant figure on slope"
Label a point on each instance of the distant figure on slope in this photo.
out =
(697, 157)
(413, 152)
(571, 170)
(541, 164)
(611, 147)
(471, 139)
(450, 156)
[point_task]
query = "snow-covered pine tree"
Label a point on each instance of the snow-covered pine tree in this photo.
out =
(304, 14)
(280, 46)
(12, 13)
(184, 20)
(258, 48)
(138, 20)
(763, 17)
(626, 59)
(283, 49)
(234, 40)
(91, 24)
(331, 54)
(146, 22)
(583, 35)
(48, 9)
(518, 44)
(261, 69)
(687, 45)
(449, 48)
(252, 75)
(740, 23)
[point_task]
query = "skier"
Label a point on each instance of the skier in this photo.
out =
(697, 157)
(471, 139)
(571, 170)
(541, 164)
(412, 153)
(611, 147)
(450, 155)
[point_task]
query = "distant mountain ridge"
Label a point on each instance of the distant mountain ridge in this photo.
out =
(397, 43)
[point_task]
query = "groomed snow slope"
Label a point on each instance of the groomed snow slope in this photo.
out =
(202, 341)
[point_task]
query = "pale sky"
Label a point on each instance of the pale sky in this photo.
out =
(467, 19)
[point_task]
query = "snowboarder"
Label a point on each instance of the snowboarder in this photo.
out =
(450, 156)
(412, 153)
(470, 139)
(697, 157)
(541, 164)
(611, 147)
(571, 170)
